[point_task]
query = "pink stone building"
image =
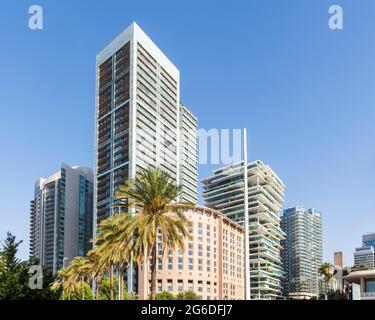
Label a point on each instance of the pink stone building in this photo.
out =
(212, 264)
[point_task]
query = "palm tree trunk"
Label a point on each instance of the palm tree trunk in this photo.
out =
(97, 287)
(111, 283)
(118, 289)
(153, 272)
(83, 290)
(121, 282)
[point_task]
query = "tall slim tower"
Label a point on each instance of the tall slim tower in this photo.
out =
(139, 121)
(188, 155)
(224, 191)
(302, 252)
(61, 217)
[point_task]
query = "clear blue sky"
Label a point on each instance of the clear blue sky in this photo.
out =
(305, 93)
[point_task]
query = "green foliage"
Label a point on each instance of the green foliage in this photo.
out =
(14, 275)
(326, 270)
(105, 291)
(165, 296)
(105, 288)
(154, 191)
(82, 292)
(188, 295)
(130, 296)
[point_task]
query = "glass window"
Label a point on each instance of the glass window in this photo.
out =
(370, 286)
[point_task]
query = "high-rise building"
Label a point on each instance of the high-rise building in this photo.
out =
(224, 191)
(302, 252)
(338, 260)
(211, 265)
(368, 239)
(364, 257)
(61, 217)
(188, 155)
(139, 121)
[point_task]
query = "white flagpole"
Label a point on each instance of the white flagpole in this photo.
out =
(246, 222)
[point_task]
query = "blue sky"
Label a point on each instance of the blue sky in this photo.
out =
(305, 93)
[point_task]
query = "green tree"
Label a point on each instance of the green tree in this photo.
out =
(326, 271)
(153, 192)
(188, 295)
(82, 291)
(164, 296)
(105, 289)
(14, 275)
(10, 287)
(114, 248)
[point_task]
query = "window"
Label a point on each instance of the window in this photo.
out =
(170, 286)
(200, 230)
(370, 285)
(180, 286)
(190, 285)
(190, 229)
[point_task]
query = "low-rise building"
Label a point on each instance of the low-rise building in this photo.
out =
(366, 280)
(212, 264)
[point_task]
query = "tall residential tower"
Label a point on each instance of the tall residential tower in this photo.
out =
(61, 217)
(140, 121)
(224, 191)
(302, 252)
(188, 155)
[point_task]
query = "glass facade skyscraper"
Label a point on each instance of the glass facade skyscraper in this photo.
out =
(61, 217)
(302, 252)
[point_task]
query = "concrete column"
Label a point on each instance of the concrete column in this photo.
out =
(363, 287)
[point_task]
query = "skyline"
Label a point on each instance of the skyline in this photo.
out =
(200, 70)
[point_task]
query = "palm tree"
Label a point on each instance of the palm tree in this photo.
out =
(326, 270)
(153, 192)
(79, 270)
(114, 247)
(67, 282)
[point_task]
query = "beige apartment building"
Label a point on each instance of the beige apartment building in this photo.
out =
(212, 264)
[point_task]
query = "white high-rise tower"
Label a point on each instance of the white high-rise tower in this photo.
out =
(139, 121)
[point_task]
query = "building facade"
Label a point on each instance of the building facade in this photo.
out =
(302, 252)
(211, 265)
(369, 239)
(139, 121)
(365, 281)
(338, 260)
(188, 156)
(224, 191)
(61, 217)
(364, 257)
